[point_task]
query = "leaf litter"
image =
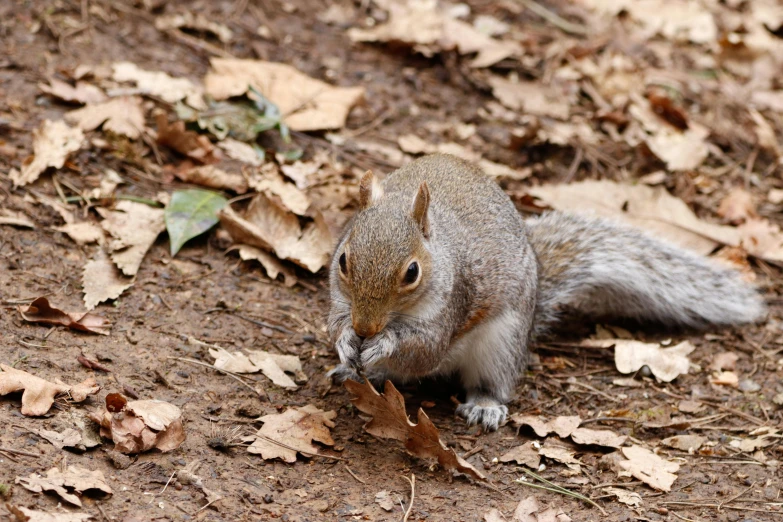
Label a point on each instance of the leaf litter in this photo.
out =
(40, 311)
(283, 435)
(68, 484)
(53, 143)
(39, 394)
(274, 366)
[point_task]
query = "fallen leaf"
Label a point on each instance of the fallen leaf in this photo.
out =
(68, 484)
(390, 421)
(39, 394)
(552, 515)
(141, 426)
(765, 133)
(159, 84)
(629, 498)
(269, 181)
(687, 406)
(724, 361)
(82, 92)
(308, 104)
(17, 219)
(191, 144)
(526, 509)
(69, 438)
(269, 226)
(649, 467)
(40, 311)
(762, 239)
(560, 453)
(191, 213)
(775, 196)
(534, 98)
(122, 115)
(689, 443)
(197, 22)
(563, 426)
(273, 365)
(270, 263)
(525, 454)
(725, 379)
(242, 151)
(665, 363)
(598, 437)
(134, 227)
(82, 233)
(29, 515)
(737, 206)
(493, 515)
(303, 173)
(102, 280)
(296, 429)
(766, 437)
(383, 499)
(53, 142)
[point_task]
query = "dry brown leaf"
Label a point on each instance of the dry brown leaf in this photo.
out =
(82, 233)
(68, 438)
(629, 356)
(687, 406)
(82, 92)
(269, 181)
(40, 311)
(191, 144)
(767, 436)
(23, 514)
(119, 115)
(649, 467)
(761, 239)
(159, 84)
(689, 443)
(308, 104)
(102, 280)
(390, 421)
(724, 361)
(552, 515)
(213, 177)
(197, 22)
(650, 208)
(272, 365)
(563, 426)
(560, 452)
(75, 478)
(765, 133)
(598, 437)
(134, 228)
(271, 264)
(383, 499)
(534, 98)
(737, 206)
(241, 151)
(725, 378)
(53, 142)
(303, 173)
(297, 428)
(628, 498)
(39, 394)
(526, 509)
(17, 219)
(142, 426)
(494, 515)
(525, 454)
(269, 226)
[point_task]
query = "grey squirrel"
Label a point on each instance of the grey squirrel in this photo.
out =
(438, 274)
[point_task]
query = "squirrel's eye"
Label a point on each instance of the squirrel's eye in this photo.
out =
(412, 274)
(343, 264)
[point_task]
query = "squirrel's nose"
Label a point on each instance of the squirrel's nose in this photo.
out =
(365, 330)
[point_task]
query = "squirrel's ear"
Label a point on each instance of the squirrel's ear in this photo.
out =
(369, 190)
(421, 204)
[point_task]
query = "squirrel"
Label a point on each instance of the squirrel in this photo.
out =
(438, 274)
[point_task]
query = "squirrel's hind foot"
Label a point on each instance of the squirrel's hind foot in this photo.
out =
(485, 411)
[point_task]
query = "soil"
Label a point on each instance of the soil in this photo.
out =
(213, 297)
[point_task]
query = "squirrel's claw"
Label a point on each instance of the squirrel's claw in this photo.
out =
(342, 373)
(490, 416)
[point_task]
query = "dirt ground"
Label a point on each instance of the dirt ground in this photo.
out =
(208, 295)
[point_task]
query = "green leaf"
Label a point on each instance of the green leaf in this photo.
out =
(190, 213)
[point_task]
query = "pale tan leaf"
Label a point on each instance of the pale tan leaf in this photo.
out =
(29, 515)
(213, 177)
(737, 206)
(563, 426)
(526, 509)
(649, 467)
(68, 438)
(308, 104)
(82, 233)
(493, 515)
(296, 428)
(390, 421)
(119, 115)
(762, 239)
(598, 437)
(270, 263)
(775, 196)
(38, 394)
(724, 361)
(689, 443)
(241, 151)
(680, 150)
(134, 228)
(68, 484)
(16, 219)
(274, 366)
(628, 498)
(560, 453)
(725, 378)
(525, 454)
(159, 84)
(142, 426)
(629, 356)
(102, 280)
(383, 499)
(197, 22)
(269, 181)
(53, 142)
(533, 98)
(83, 92)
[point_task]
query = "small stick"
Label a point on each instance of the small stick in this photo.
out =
(164, 487)
(554, 18)
(305, 453)
(19, 452)
(412, 482)
(735, 497)
(225, 372)
(354, 475)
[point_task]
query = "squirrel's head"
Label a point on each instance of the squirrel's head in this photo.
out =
(384, 265)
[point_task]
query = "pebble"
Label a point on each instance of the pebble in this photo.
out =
(748, 385)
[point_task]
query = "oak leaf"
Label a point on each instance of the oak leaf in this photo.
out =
(141, 425)
(68, 484)
(53, 142)
(649, 467)
(40, 311)
(294, 431)
(390, 421)
(102, 280)
(134, 227)
(82, 92)
(39, 394)
(122, 115)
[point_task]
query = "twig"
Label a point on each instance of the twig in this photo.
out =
(554, 18)
(735, 497)
(683, 518)
(354, 475)
(261, 394)
(150, 202)
(18, 452)
(264, 324)
(412, 482)
(305, 453)
(556, 489)
(164, 487)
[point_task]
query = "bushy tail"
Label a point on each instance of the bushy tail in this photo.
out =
(601, 268)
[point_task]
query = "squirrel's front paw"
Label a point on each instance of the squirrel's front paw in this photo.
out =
(376, 348)
(487, 412)
(342, 373)
(347, 346)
